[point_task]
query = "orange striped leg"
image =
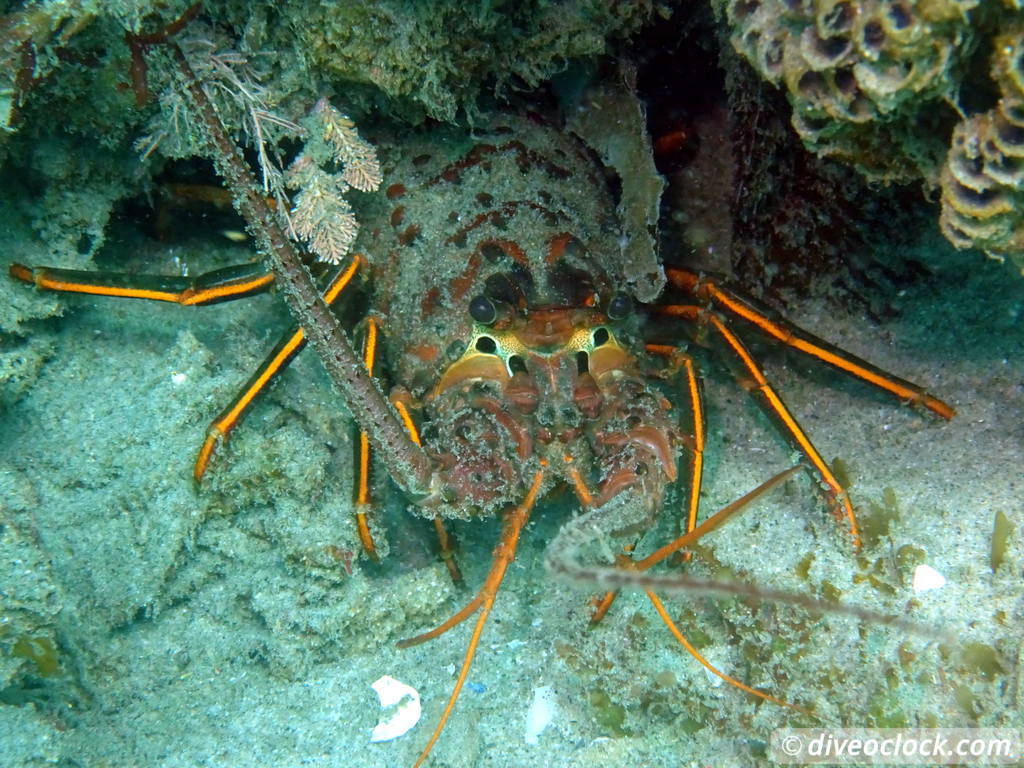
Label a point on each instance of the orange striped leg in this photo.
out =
(695, 429)
(364, 456)
(220, 285)
(278, 359)
(225, 284)
(754, 382)
(364, 452)
(707, 289)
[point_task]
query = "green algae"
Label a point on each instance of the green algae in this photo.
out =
(983, 661)
(909, 557)
(876, 522)
(842, 472)
(885, 710)
(607, 713)
(1002, 530)
(967, 700)
(831, 592)
(803, 568)
(40, 651)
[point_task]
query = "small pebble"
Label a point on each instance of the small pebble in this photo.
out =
(540, 714)
(926, 577)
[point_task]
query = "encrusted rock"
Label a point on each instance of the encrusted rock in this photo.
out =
(860, 73)
(983, 179)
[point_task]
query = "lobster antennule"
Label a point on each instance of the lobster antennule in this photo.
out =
(504, 553)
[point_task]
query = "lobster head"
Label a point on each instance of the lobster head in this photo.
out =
(551, 388)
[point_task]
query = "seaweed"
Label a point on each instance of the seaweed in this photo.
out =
(1002, 530)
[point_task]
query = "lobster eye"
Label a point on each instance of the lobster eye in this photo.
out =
(483, 310)
(582, 362)
(619, 306)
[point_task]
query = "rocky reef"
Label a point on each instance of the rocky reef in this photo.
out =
(860, 76)
(895, 90)
(983, 179)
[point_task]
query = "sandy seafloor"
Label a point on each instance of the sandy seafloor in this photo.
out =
(215, 628)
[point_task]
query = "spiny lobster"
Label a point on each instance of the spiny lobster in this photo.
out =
(518, 358)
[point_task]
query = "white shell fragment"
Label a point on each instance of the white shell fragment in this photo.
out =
(926, 577)
(540, 714)
(401, 705)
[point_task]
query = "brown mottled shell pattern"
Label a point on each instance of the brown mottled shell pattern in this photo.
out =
(461, 208)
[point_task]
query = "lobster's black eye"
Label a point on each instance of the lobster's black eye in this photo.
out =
(620, 306)
(483, 310)
(486, 345)
(582, 362)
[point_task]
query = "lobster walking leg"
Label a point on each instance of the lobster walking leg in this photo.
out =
(276, 362)
(364, 462)
(752, 378)
(227, 284)
(364, 459)
(363, 452)
(694, 425)
(399, 401)
(708, 290)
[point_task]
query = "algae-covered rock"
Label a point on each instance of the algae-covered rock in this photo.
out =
(612, 121)
(983, 179)
(865, 78)
(441, 55)
(31, 598)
